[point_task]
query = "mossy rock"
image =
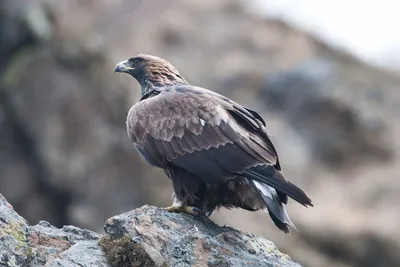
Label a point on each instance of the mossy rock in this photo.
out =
(123, 252)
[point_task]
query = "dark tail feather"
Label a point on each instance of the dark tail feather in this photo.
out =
(275, 207)
(269, 175)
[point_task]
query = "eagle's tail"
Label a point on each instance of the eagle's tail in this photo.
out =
(273, 188)
(267, 174)
(275, 207)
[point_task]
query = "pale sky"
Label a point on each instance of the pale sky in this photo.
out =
(369, 29)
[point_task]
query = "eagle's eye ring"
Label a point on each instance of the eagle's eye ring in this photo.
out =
(135, 62)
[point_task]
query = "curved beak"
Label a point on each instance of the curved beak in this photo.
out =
(122, 67)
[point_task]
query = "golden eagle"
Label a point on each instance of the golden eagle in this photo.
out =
(216, 152)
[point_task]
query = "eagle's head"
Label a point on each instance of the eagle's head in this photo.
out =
(150, 71)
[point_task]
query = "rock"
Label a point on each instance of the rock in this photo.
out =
(182, 240)
(13, 231)
(147, 236)
(44, 244)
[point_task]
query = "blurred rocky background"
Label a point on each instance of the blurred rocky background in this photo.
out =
(65, 156)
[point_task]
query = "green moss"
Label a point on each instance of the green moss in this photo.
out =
(123, 252)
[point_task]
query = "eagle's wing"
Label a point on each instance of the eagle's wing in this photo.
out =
(208, 135)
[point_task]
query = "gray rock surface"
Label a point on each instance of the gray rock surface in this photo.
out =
(182, 240)
(44, 244)
(146, 236)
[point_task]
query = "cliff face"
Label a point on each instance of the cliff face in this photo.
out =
(65, 156)
(146, 236)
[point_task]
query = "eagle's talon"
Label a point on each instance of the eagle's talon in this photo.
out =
(184, 209)
(175, 209)
(195, 210)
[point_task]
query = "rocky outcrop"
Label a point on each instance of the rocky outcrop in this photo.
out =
(43, 244)
(147, 236)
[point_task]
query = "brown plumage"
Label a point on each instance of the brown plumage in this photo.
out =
(216, 152)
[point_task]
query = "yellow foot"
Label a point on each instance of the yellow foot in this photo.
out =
(185, 209)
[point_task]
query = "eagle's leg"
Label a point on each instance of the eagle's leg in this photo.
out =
(178, 207)
(185, 209)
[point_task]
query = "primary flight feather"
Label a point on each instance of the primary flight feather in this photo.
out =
(216, 152)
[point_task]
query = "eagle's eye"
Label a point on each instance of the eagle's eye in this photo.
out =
(135, 62)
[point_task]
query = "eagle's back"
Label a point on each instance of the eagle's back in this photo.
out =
(173, 111)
